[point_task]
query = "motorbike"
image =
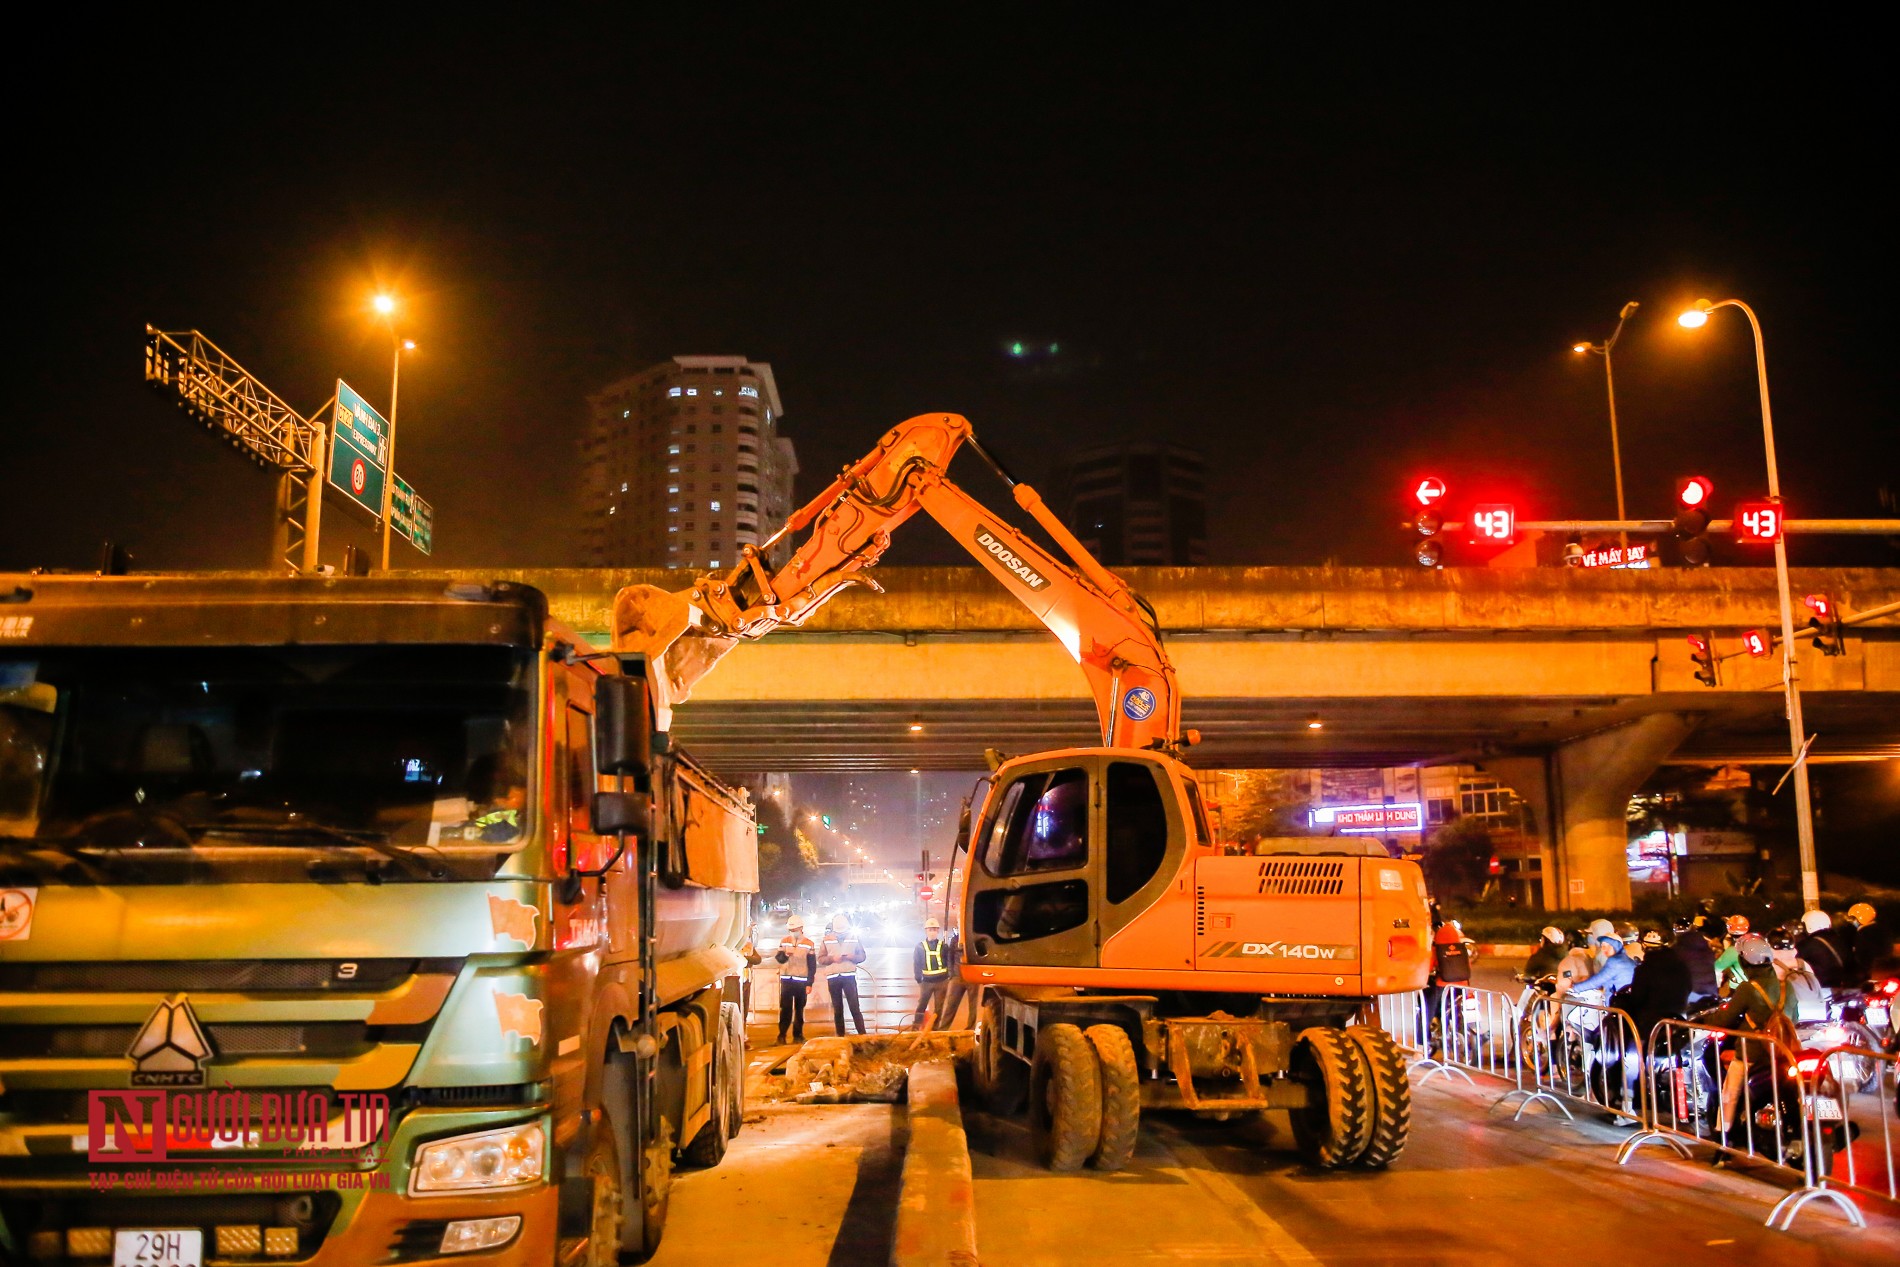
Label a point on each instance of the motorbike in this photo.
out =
(1847, 1025)
(1768, 1119)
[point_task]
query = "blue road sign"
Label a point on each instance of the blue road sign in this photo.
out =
(359, 450)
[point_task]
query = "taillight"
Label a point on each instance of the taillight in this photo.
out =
(1890, 987)
(1807, 1065)
(1401, 947)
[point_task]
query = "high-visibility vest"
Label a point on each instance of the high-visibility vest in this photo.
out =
(933, 960)
(799, 960)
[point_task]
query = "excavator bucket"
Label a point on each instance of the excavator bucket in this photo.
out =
(665, 626)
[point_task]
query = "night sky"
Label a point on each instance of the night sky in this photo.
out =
(1330, 259)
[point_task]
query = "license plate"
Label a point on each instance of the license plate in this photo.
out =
(158, 1247)
(1824, 1108)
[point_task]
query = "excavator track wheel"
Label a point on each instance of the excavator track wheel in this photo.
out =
(1065, 1097)
(1391, 1096)
(1121, 1096)
(1335, 1126)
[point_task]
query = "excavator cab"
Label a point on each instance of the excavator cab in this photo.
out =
(1070, 850)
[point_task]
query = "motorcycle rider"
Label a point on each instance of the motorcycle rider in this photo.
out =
(1614, 965)
(1658, 989)
(1753, 1007)
(1698, 957)
(1728, 967)
(1551, 946)
(1605, 1045)
(1873, 945)
(1451, 965)
(1827, 952)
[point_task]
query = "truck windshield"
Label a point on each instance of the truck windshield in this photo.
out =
(326, 746)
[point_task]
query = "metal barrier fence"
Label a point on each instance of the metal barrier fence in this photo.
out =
(1747, 1095)
(1808, 1114)
(1866, 1163)
(1575, 1049)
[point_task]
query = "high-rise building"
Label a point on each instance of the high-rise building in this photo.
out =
(1138, 504)
(685, 465)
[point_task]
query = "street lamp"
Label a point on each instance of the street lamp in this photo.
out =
(385, 305)
(1694, 318)
(1603, 350)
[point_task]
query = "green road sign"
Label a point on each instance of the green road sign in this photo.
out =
(411, 516)
(359, 448)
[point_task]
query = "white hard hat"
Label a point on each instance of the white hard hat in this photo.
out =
(796, 924)
(1815, 921)
(1554, 935)
(1601, 929)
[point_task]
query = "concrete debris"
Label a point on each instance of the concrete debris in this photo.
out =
(863, 1068)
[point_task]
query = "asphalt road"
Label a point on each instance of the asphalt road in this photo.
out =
(1472, 1188)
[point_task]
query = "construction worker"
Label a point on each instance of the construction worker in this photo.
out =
(839, 955)
(1873, 945)
(797, 966)
(931, 965)
(960, 990)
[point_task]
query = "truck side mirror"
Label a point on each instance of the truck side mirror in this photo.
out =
(615, 812)
(623, 728)
(963, 829)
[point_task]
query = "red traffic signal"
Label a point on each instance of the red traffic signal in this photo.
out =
(1694, 492)
(1493, 523)
(1758, 522)
(1820, 604)
(1702, 651)
(1430, 491)
(1758, 642)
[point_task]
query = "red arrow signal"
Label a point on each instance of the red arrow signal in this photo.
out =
(1429, 490)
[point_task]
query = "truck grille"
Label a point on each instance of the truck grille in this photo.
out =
(1302, 877)
(330, 1038)
(174, 975)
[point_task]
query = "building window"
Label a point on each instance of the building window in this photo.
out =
(749, 391)
(673, 449)
(672, 391)
(626, 413)
(715, 563)
(692, 391)
(718, 391)
(672, 488)
(713, 506)
(717, 428)
(623, 486)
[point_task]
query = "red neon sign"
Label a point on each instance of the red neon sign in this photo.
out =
(1493, 523)
(1429, 490)
(1758, 523)
(1759, 644)
(1617, 557)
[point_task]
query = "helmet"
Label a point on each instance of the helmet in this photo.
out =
(1628, 931)
(1554, 935)
(1653, 938)
(1861, 913)
(796, 924)
(1599, 930)
(1737, 925)
(1815, 921)
(933, 922)
(1753, 948)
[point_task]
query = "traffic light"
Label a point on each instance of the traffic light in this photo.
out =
(1427, 522)
(1825, 620)
(1759, 643)
(1692, 518)
(1493, 523)
(1702, 651)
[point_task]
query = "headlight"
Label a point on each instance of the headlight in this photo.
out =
(508, 1158)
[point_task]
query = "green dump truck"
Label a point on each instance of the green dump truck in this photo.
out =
(350, 921)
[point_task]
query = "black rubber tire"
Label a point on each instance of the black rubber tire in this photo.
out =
(645, 1160)
(1065, 1097)
(602, 1167)
(1335, 1126)
(732, 1022)
(1391, 1096)
(1120, 1078)
(708, 1148)
(1002, 1081)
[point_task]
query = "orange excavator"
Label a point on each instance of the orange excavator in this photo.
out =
(1131, 959)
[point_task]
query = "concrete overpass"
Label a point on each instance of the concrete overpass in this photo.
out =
(1571, 686)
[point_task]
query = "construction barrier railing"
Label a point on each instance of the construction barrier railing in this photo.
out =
(1747, 1095)
(1869, 1101)
(1830, 1121)
(1576, 1049)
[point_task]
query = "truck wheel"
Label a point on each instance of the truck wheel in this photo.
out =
(1001, 1080)
(604, 1221)
(1391, 1096)
(1121, 1096)
(1065, 1097)
(732, 1019)
(643, 1162)
(1335, 1125)
(708, 1148)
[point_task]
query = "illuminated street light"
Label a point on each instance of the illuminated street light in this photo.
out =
(1694, 318)
(385, 305)
(1603, 350)
(1314, 723)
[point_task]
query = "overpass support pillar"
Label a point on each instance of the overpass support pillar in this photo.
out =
(1592, 780)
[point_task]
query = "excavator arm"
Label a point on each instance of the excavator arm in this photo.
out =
(1106, 627)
